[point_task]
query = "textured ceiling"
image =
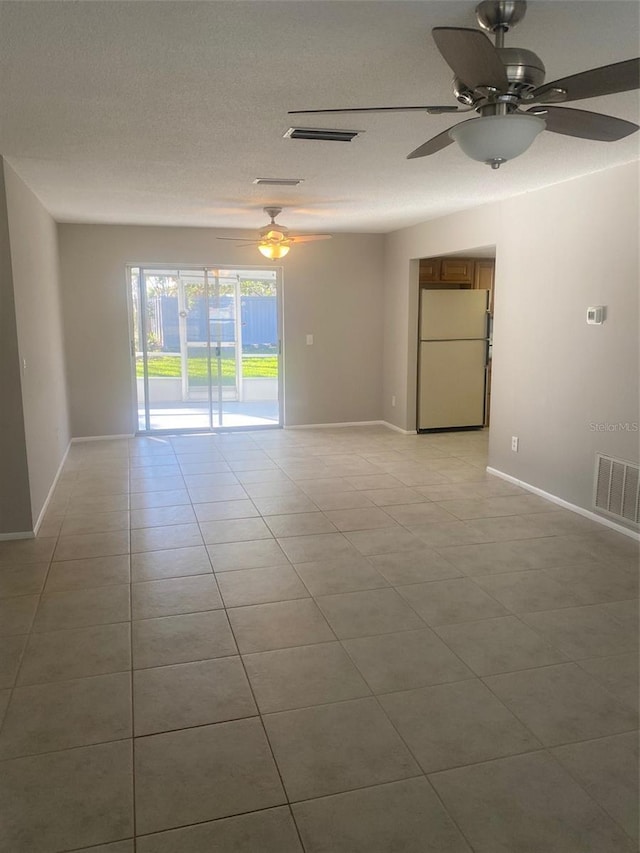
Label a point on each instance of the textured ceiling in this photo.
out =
(165, 112)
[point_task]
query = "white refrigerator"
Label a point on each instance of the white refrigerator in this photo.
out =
(454, 347)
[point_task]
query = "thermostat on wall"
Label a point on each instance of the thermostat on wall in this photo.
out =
(595, 315)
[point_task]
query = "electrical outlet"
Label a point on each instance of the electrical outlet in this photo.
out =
(393, 400)
(514, 443)
(309, 340)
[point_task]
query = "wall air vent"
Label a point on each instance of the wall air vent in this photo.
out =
(617, 488)
(323, 133)
(279, 182)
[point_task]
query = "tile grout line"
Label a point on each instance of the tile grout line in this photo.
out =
(584, 787)
(423, 772)
(266, 736)
(262, 723)
(547, 751)
(131, 677)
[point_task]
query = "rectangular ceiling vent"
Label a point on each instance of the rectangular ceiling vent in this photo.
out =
(617, 488)
(279, 182)
(323, 133)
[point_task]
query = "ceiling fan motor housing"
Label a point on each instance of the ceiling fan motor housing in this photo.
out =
(525, 72)
(273, 232)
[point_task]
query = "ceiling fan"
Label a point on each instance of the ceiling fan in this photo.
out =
(498, 81)
(274, 240)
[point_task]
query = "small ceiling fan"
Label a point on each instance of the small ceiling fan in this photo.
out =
(274, 240)
(497, 81)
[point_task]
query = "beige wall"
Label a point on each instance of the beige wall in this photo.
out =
(15, 504)
(332, 290)
(558, 251)
(34, 259)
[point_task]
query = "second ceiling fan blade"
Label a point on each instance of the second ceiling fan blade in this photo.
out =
(472, 57)
(436, 143)
(242, 245)
(432, 110)
(607, 80)
(309, 238)
(583, 124)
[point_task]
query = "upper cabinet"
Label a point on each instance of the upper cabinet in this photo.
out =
(476, 273)
(483, 278)
(430, 269)
(457, 269)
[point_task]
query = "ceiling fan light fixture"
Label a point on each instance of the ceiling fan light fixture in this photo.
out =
(495, 139)
(273, 251)
(273, 235)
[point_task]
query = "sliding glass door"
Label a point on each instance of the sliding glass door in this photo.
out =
(206, 348)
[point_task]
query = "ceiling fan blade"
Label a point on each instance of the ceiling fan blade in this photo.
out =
(309, 238)
(431, 110)
(471, 56)
(607, 80)
(436, 143)
(243, 240)
(583, 124)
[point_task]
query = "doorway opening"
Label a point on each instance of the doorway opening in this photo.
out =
(206, 348)
(455, 340)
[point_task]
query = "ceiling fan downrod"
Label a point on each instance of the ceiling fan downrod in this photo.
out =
(272, 212)
(499, 16)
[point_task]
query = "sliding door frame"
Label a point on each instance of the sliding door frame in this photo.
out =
(206, 268)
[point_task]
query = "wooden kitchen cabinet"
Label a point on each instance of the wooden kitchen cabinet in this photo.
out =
(457, 269)
(429, 270)
(476, 273)
(484, 277)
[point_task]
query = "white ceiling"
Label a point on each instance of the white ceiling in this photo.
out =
(165, 112)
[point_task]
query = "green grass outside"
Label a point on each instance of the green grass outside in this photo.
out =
(170, 366)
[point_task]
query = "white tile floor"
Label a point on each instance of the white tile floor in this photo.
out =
(331, 641)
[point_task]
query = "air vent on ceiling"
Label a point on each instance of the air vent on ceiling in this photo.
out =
(323, 133)
(617, 488)
(279, 182)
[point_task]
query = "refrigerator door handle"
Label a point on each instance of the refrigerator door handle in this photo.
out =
(487, 333)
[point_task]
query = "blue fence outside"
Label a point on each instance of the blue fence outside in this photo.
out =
(258, 315)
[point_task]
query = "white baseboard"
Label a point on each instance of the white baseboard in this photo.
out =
(398, 429)
(353, 424)
(592, 516)
(31, 534)
(27, 534)
(335, 426)
(36, 526)
(83, 438)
